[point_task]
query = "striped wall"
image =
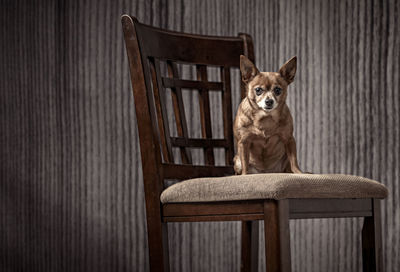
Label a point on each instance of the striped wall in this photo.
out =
(71, 193)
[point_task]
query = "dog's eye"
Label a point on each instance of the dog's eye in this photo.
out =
(259, 91)
(277, 91)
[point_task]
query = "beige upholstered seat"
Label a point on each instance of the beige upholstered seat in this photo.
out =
(273, 186)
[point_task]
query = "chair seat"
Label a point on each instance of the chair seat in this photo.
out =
(273, 186)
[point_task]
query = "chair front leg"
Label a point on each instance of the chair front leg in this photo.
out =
(277, 236)
(372, 240)
(249, 257)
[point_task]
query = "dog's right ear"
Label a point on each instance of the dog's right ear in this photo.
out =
(248, 69)
(288, 70)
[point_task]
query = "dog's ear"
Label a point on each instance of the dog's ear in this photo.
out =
(288, 70)
(248, 69)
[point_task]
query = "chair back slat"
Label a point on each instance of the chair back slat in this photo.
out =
(192, 84)
(205, 143)
(227, 113)
(159, 99)
(179, 110)
(205, 116)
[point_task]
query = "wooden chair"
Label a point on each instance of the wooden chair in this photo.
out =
(147, 47)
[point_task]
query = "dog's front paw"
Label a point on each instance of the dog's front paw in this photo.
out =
(297, 171)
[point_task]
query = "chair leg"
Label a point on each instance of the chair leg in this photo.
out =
(277, 236)
(249, 262)
(372, 240)
(158, 246)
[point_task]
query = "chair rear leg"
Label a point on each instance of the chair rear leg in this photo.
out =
(249, 257)
(277, 236)
(158, 246)
(372, 240)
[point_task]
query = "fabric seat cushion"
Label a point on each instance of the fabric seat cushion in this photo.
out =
(273, 186)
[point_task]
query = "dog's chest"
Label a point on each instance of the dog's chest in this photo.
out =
(266, 126)
(267, 150)
(267, 146)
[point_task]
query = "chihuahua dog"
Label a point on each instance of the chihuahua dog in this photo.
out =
(263, 127)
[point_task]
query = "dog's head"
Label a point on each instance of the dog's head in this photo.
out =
(267, 89)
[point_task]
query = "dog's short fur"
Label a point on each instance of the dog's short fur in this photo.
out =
(263, 126)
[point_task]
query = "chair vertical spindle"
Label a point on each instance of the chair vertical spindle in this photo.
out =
(204, 100)
(227, 113)
(179, 110)
(162, 118)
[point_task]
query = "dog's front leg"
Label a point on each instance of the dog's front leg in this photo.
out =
(243, 150)
(292, 156)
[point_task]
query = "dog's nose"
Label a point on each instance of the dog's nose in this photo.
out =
(269, 102)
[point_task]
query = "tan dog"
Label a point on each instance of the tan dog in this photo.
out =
(263, 126)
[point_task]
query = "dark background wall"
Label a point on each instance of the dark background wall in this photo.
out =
(71, 194)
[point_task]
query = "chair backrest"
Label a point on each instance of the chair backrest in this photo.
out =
(150, 50)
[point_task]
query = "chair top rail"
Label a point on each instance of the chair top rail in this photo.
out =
(198, 49)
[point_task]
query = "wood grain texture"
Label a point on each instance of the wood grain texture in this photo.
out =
(71, 182)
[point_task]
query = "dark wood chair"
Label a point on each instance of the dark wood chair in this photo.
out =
(149, 47)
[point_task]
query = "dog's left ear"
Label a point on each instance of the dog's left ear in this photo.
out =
(288, 70)
(248, 69)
